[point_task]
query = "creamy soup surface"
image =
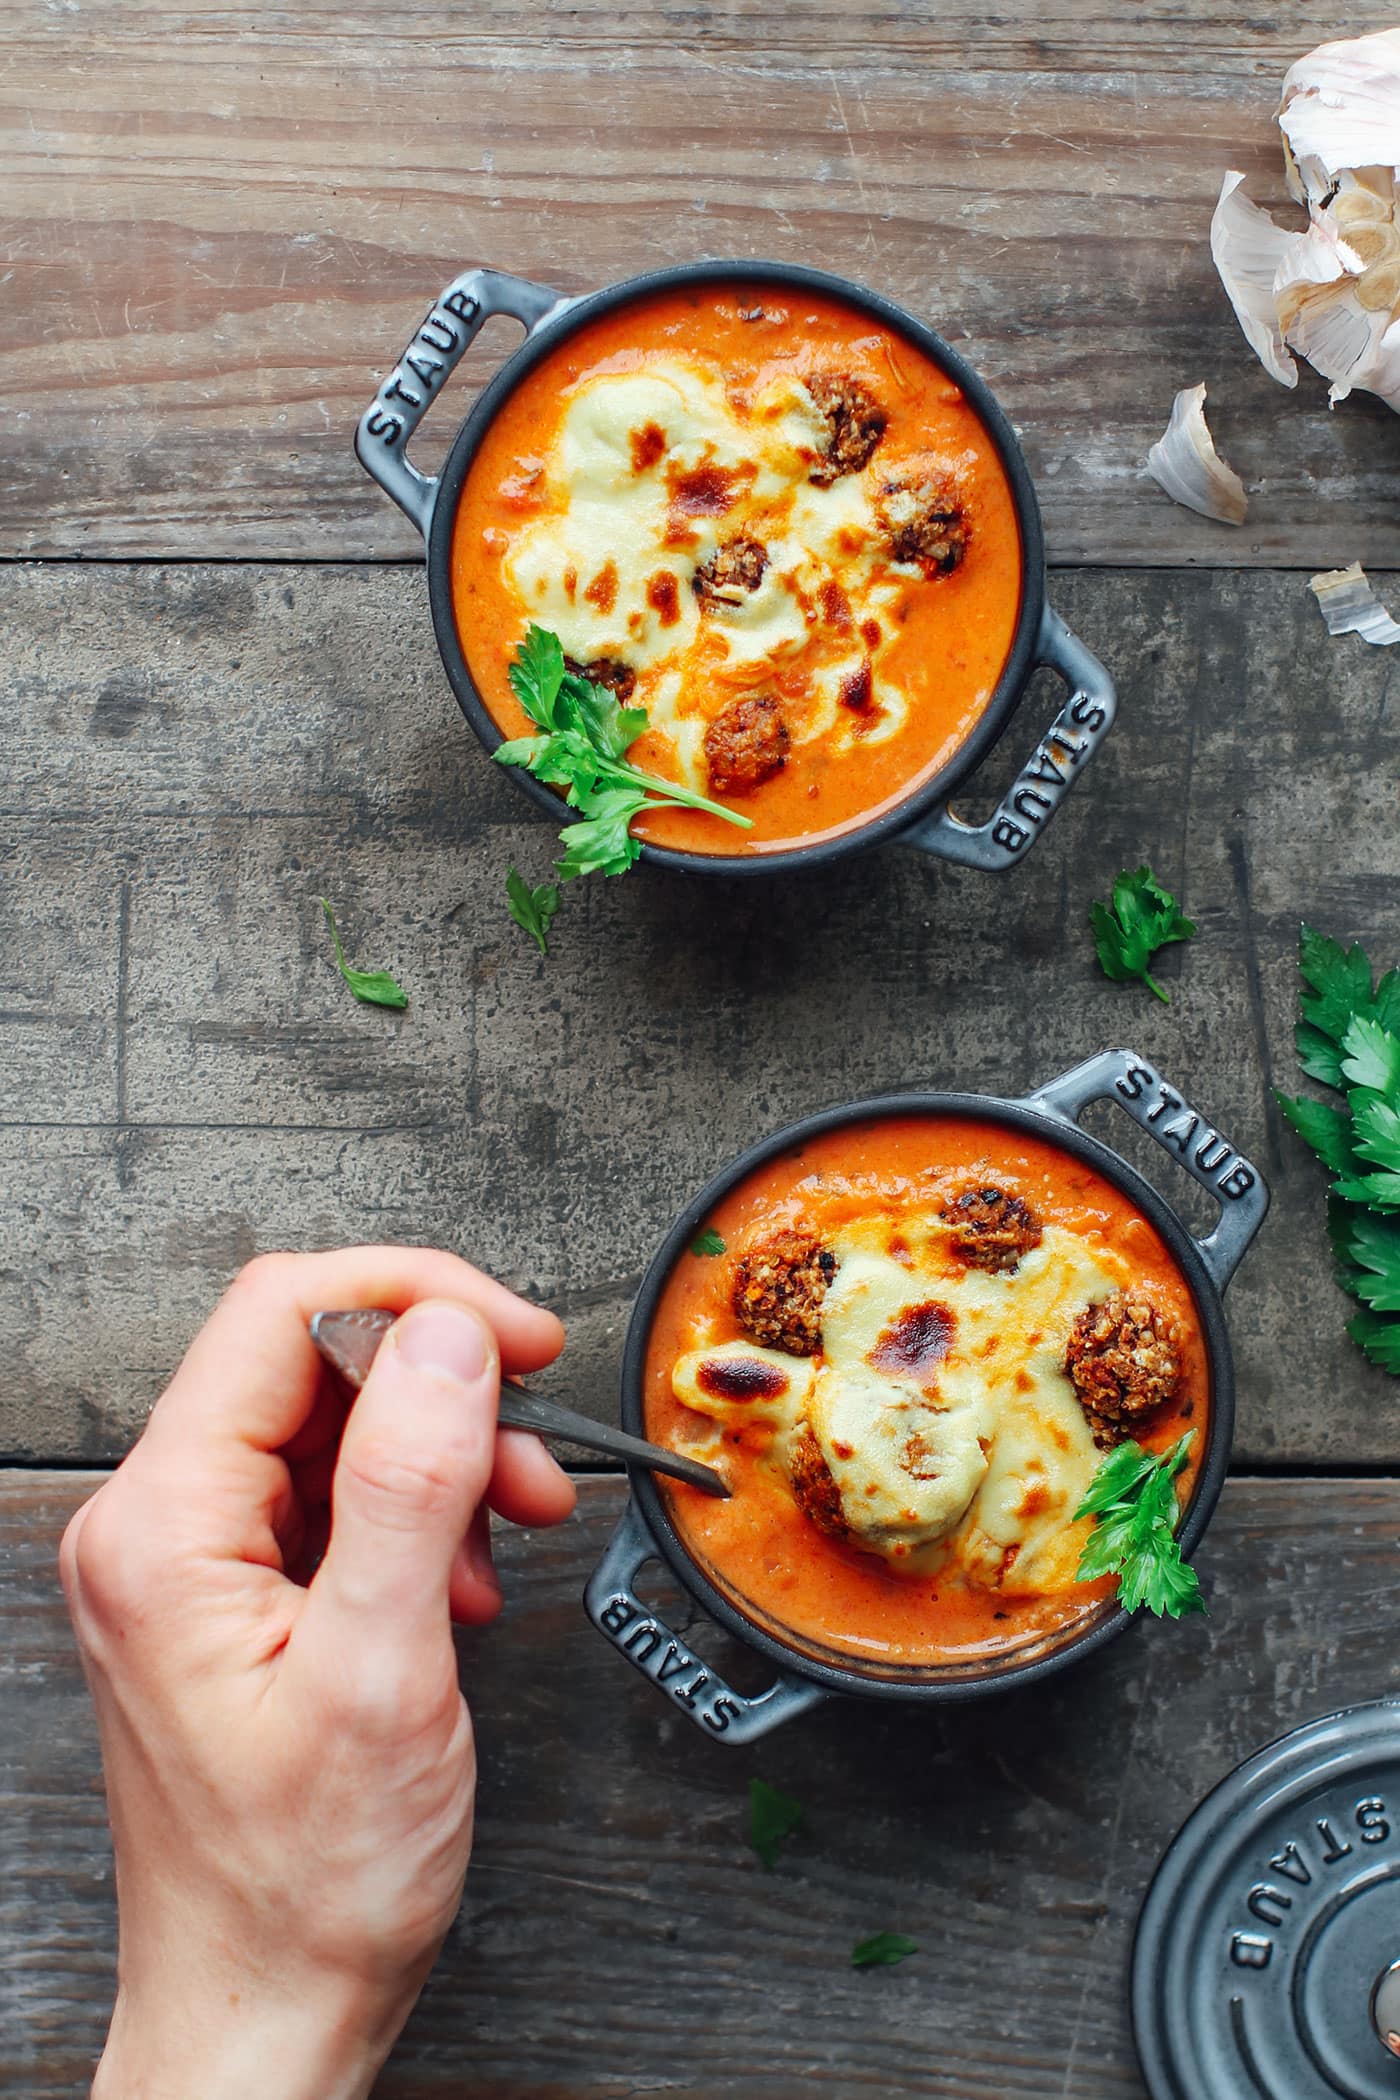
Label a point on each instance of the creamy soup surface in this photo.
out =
(918, 1344)
(772, 523)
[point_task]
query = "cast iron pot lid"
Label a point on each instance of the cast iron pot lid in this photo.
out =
(1267, 1960)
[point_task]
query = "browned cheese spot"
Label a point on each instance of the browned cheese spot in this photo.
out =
(706, 491)
(570, 582)
(602, 592)
(664, 598)
(914, 1344)
(870, 633)
(741, 1378)
(920, 1458)
(835, 605)
(647, 444)
(857, 691)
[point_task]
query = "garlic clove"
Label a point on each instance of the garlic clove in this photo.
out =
(1249, 249)
(1185, 463)
(1349, 606)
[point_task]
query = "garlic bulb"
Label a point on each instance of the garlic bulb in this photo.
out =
(1185, 463)
(1330, 291)
(1349, 606)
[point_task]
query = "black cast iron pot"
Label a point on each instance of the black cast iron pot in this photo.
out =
(806, 1676)
(923, 819)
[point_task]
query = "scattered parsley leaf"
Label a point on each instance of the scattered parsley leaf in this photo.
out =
(882, 1950)
(1132, 1498)
(375, 987)
(707, 1242)
(1349, 1038)
(1142, 918)
(585, 736)
(773, 1817)
(532, 909)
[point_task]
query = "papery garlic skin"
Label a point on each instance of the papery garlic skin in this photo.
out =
(1249, 248)
(1350, 606)
(1340, 110)
(1185, 463)
(1334, 296)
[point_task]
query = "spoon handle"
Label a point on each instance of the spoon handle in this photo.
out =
(349, 1340)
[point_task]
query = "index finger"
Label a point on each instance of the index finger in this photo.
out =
(252, 1372)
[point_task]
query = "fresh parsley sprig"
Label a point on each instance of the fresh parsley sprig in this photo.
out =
(1142, 918)
(584, 736)
(532, 909)
(1349, 1039)
(1132, 1498)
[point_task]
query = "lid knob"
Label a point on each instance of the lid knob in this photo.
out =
(1385, 2008)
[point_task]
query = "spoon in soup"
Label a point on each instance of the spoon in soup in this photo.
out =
(349, 1342)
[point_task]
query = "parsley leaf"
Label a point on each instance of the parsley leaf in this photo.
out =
(1367, 1246)
(882, 1949)
(773, 1817)
(707, 1242)
(532, 909)
(1143, 917)
(1132, 1498)
(586, 734)
(1349, 1038)
(375, 987)
(1327, 1130)
(1379, 1338)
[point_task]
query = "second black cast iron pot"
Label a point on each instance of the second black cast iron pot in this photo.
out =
(923, 819)
(804, 1676)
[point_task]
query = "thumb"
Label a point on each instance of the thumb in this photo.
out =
(414, 1462)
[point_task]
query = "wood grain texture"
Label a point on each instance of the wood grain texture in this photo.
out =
(619, 1937)
(195, 755)
(221, 224)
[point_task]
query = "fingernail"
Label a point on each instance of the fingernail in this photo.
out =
(446, 1339)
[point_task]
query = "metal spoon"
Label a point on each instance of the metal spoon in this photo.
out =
(349, 1341)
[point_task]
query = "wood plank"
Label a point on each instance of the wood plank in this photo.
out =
(222, 224)
(188, 1080)
(619, 1937)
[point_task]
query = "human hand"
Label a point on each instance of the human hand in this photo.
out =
(288, 1757)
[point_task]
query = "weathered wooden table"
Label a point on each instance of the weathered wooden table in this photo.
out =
(224, 701)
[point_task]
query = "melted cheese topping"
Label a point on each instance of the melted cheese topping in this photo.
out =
(939, 1402)
(651, 473)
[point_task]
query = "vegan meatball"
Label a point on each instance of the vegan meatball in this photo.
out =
(855, 424)
(778, 1290)
(735, 567)
(991, 1229)
(619, 678)
(1124, 1360)
(818, 1496)
(746, 745)
(925, 523)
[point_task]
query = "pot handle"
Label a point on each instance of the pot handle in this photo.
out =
(651, 1647)
(452, 323)
(1182, 1132)
(1048, 774)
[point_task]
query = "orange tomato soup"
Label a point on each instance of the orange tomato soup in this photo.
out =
(771, 522)
(876, 1194)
